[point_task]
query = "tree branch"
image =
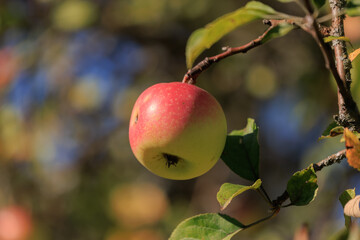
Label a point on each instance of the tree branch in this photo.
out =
(349, 115)
(343, 64)
(192, 74)
(330, 160)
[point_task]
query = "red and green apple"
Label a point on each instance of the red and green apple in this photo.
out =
(177, 130)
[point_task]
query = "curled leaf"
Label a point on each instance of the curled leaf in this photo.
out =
(352, 144)
(228, 191)
(352, 207)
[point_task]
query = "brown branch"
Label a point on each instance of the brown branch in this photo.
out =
(192, 74)
(330, 160)
(349, 115)
(343, 63)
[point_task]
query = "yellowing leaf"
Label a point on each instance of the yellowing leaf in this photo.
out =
(332, 130)
(228, 191)
(331, 38)
(352, 208)
(352, 144)
(354, 54)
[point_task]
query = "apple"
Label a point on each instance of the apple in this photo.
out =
(177, 130)
(15, 223)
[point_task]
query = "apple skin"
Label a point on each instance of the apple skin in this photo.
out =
(177, 130)
(15, 223)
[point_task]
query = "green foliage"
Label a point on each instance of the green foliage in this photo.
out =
(302, 187)
(331, 38)
(241, 152)
(353, 8)
(332, 130)
(346, 196)
(318, 3)
(280, 30)
(228, 191)
(204, 38)
(210, 226)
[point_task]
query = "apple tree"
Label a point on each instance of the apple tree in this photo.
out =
(241, 150)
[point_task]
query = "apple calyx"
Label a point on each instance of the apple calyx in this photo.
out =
(171, 159)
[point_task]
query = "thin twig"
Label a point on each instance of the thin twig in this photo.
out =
(192, 74)
(263, 196)
(275, 212)
(265, 193)
(330, 160)
(277, 203)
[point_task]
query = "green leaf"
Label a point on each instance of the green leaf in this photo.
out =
(353, 12)
(241, 152)
(318, 3)
(204, 38)
(353, 8)
(332, 130)
(346, 196)
(302, 187)
(209, 226)
(228, 191)
(331, 38)
(280, 30)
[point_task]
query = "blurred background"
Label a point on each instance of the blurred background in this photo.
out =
(70, 72)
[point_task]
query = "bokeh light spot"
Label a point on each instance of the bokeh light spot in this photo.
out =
(261, 82)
